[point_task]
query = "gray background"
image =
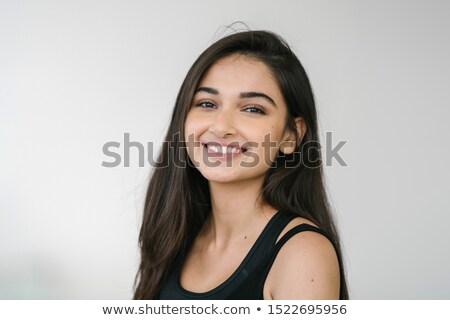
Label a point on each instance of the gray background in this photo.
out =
(77, 74)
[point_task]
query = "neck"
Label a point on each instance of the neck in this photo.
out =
(237, 211)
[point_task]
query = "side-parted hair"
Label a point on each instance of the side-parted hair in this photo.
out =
(178, 200)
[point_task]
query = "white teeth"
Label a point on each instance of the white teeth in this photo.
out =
(216, 149)
(221, 149)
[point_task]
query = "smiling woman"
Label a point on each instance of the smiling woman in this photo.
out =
(238, 222)
(232, 124)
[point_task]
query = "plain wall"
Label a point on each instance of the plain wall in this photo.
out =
(75, 75)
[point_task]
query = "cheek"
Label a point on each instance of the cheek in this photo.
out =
(188, 126)
(194, 125)
(269, 143)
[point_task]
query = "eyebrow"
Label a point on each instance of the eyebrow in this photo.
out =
(242, 95)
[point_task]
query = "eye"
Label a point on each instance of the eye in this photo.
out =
(254, 109)
(206, 105)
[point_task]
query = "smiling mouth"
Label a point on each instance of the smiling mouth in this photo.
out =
(218, 150)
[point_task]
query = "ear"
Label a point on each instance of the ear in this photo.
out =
(291, 140)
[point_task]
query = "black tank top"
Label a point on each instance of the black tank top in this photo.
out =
(247, 281)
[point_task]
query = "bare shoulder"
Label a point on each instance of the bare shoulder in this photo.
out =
(306, 267)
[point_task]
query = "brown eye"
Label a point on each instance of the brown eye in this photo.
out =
(254, 109)
(206, 105)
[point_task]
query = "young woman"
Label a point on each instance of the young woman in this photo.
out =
(236, 207)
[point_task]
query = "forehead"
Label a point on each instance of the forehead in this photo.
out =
(240, 73)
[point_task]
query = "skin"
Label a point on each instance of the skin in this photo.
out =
(306, 267)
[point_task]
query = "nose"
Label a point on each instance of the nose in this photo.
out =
(223, 123)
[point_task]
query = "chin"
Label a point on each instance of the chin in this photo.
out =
(230, 175)
(220, 177)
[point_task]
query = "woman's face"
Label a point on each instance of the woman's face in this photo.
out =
(236, 123)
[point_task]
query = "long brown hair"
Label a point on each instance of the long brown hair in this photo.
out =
(178, 200)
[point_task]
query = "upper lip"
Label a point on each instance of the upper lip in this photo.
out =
(225, 144)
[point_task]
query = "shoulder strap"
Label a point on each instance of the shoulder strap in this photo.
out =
(295, 230)
(266, 242)
(254, 284)
(273, 231)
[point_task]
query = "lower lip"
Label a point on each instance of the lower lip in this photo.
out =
(222, 155)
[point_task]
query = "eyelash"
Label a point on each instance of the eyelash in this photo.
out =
(258, 110)
(213, 106)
